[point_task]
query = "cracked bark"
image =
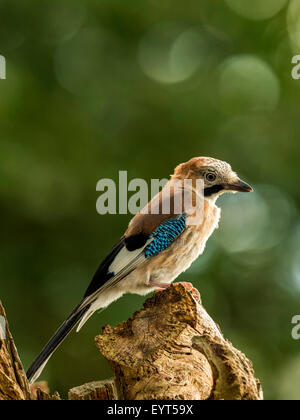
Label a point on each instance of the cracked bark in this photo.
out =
(171, 349)
(13, 382)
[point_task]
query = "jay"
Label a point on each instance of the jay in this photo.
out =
(155, 249)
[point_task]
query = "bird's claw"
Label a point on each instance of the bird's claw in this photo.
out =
(192, 290)
(189, 288)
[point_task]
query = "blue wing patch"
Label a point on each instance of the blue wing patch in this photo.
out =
(164, 235)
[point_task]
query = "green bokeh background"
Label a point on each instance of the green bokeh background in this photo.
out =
(94, 87)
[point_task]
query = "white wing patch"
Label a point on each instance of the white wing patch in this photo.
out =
(123, 264)
(124, 258)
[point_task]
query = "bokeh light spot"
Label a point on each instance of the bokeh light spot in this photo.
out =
(170, 53)
(248, 83)
(256, 9)
(293, 24)
(248, 220)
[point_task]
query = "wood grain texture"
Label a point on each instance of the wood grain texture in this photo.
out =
(98, 390)
(172, 349)
(13, 381)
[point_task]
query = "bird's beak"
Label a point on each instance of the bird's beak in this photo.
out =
(238, 185)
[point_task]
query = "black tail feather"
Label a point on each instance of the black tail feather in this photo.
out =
(38, 364)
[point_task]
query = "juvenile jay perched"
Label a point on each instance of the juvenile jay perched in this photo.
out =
(154, 250)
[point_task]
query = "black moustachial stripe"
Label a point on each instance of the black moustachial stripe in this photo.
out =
(212, 190)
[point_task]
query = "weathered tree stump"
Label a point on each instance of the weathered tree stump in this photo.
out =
(99, 390)
(169, 350)
(172, 349)
(13, 382)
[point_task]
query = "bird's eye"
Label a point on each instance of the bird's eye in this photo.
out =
(210, 177)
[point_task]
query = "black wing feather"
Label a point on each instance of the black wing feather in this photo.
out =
(102, 274)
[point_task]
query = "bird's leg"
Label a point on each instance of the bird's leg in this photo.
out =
(161, 286)
(192, 290)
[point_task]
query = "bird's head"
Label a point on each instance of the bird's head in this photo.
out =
(217, 175)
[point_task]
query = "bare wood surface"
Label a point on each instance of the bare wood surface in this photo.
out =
(172, 349)
(40, 391)
(13, 381)
(99, 390)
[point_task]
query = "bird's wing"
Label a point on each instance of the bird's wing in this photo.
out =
(135, 247)
(147, 235)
